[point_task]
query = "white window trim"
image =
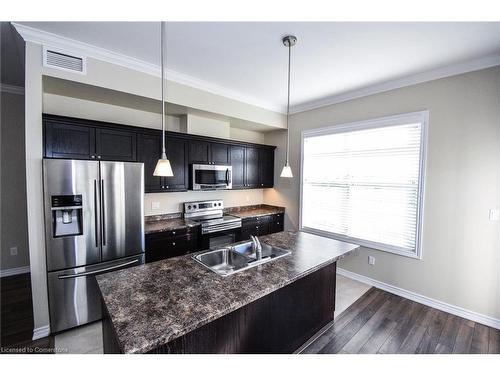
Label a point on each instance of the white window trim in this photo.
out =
(421, 117)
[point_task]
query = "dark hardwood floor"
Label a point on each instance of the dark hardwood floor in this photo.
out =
(381, 322)
(16, 310)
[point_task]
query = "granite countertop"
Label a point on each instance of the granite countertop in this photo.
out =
(152, 304)
(254, 211)
(164, 223)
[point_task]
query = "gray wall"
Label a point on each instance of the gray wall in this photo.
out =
(14, 223)
(13, 189)
(461, 247)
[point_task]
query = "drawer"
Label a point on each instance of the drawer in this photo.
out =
(159, 246)
(278, 217)
(176, 232)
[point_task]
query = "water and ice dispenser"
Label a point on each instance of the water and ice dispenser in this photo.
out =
(67, 215)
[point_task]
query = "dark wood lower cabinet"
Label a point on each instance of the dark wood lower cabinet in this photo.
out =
(165, 245)
(280, 322)
(260, 226)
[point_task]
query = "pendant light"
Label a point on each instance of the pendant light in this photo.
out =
(289, 41)
(163, 167)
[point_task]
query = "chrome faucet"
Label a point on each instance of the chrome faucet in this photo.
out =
(257, 247)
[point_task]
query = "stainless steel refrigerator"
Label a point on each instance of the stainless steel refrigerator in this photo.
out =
(94, 223)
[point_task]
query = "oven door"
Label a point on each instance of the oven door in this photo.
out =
(211, 177)
(217, 239)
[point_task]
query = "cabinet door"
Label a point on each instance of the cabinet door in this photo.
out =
(199, 152)
(69, 141)
(148, 152)
(159, 246)
(116, 145)
(266, 167)
(177, 155)
(219, 153)
(252, 167)
(238, 164)
(247, 230)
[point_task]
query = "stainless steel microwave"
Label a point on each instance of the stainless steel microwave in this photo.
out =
(211, 177)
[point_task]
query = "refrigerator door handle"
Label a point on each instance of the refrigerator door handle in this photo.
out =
(96, 223)
(103, 214)
(81, 274)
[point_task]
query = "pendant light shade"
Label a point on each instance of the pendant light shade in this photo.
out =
(286, 171)
(163, 167)
(288, 41)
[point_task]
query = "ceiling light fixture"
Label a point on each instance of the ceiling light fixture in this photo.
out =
(163, 167)
(289, 41)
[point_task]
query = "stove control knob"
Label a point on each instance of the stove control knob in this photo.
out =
(194, 206)
(189, 207)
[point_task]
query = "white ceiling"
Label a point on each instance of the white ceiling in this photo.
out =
(329, 59)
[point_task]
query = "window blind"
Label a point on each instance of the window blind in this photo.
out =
(363, 184)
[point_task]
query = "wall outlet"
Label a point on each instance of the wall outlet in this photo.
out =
(13, 251)
(155, 205)
(371, 260)
(494, 214)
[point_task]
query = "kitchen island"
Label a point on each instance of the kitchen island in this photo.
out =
(179, 306)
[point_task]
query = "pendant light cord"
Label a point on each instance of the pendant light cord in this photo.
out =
(162, 91)
(288, 104)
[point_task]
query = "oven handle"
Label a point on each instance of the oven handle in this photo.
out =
(81, 274)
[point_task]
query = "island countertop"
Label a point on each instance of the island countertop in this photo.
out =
(155, 303)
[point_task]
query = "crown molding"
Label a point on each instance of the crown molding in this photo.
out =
(37, 36)
(430, 75)
(44, 38)
(11, 89)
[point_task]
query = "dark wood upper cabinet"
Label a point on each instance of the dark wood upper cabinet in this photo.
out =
(266, 167)
(219, 153)
(199, 152)
(69, 141)
(72, 138)
(148, 151)
(116, 145)
(238, 164)
(252, 167)
(177, 150)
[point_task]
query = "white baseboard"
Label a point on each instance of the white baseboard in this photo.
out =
(14, 271)
(443, 306)
(41, 332)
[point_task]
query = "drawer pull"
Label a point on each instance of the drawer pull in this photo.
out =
(173, 232)
(173, 243)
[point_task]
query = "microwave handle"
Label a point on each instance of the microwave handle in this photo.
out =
(228, 176)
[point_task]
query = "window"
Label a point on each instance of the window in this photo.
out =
(363, 182)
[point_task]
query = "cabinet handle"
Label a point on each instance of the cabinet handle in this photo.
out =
(99, 156)
(261, 184)
(173, 232)
(163, 187)
(167, 186)
(173, 243)
(92, 157)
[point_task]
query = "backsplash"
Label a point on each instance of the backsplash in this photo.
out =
(170, 203)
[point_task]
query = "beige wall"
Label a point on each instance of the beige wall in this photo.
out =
(14, 231)
(172, 202)
(461, 247)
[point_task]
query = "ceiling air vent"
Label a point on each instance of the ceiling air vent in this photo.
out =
(64, 61)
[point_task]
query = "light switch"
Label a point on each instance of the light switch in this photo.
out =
(13, 251)
(155, 205)
(494, 214)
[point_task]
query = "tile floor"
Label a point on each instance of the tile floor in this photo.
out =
(88, 339)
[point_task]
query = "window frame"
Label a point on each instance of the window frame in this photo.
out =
(421, 117)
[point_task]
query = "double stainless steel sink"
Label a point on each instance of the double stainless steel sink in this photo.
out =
(239, 257)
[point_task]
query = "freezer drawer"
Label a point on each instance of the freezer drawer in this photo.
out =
(74, 297)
